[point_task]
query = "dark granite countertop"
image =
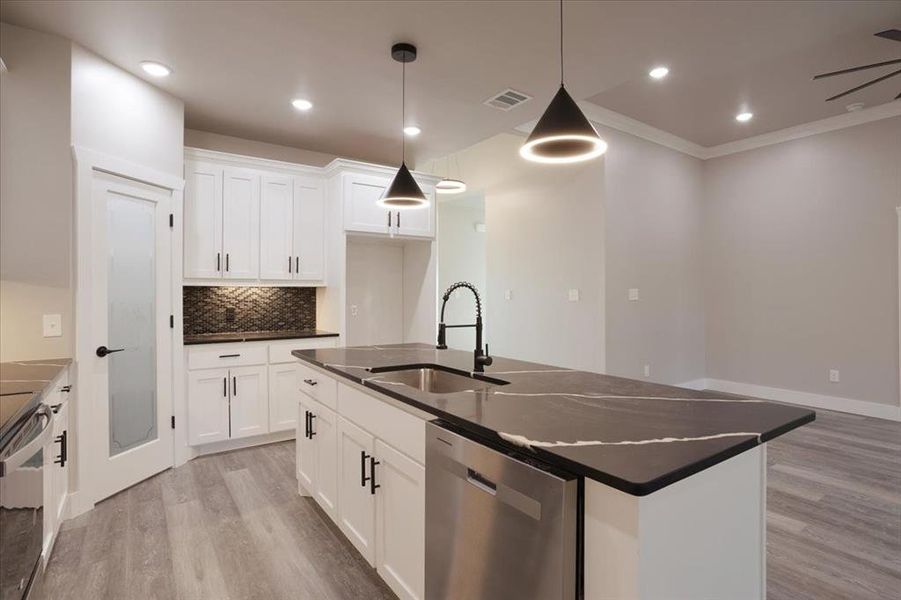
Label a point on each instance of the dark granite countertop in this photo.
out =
(255, 336)
(22, 384)
(632, 435)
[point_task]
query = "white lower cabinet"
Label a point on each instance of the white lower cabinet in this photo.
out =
(249, 403)
(284, 381)
(208, 419)
(356, 463)
(356, 511)
(400, 522)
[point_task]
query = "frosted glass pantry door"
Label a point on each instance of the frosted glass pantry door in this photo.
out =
(132, 286)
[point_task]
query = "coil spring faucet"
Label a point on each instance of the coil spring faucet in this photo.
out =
(480, 359)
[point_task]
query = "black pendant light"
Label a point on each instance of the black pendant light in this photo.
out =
(403, 192)
(563, 134)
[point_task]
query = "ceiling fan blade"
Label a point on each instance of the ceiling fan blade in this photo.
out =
(854, 69)
(890, 34)
(865, 85)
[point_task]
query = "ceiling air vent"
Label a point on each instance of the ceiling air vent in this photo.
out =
(507, 99)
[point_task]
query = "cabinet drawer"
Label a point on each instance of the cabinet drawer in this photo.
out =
(227, 355)
(317, 386)
(388, 423)
(280, 352)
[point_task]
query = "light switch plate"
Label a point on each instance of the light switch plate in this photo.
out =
(53, 325)
(633, 294)
(647, 370)
(573, 295)
(508, 294)
(833, 376)
(354, 310)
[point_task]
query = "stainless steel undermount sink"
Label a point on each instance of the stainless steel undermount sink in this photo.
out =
(434, 380)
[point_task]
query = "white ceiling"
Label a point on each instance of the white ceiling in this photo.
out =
(238, 64)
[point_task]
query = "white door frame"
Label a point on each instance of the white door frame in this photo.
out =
(898, 210)
(88, 444)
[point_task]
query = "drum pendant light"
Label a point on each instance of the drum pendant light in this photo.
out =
(403, 192)
(562, 134)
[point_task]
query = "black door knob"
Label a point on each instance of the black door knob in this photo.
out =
(103, 351)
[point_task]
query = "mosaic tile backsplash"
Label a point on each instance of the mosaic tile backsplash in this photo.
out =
(244, 309)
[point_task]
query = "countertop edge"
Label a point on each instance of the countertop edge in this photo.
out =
(629, 487)
(264, 338)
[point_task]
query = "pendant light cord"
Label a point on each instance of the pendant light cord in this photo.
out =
(561, 43)
(403, 113)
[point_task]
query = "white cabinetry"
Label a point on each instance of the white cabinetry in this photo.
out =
(283, 385)
(250, 219)
(317, 453)
(249, 401)
(208, 419)
(356, 513)
(363, 214)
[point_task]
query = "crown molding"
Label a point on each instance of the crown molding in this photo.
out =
(241, 160)
(346, 164)
(609, 118)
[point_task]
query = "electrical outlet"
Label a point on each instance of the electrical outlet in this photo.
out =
(833, 376)
(573, 295)
(647, 370)
(354, 310)
(53, 325)
(508, 294)
(633, 294)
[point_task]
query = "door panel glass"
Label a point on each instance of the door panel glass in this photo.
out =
(131, 291)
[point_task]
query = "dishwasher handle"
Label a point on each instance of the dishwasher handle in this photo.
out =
(481, 482)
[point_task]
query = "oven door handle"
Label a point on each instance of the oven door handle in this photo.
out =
(18, 458)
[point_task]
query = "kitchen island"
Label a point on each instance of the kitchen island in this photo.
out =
(674, 480)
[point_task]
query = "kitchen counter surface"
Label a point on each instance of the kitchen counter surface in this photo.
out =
(255, 336)
(29, 376)
(632, 435)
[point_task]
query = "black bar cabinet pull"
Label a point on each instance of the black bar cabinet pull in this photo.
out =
(312, 431)
(363, 478)
(226, 261)
(62, 440)
(297, 265)
(289, 264)
(229, 355)
(225, 387)
(55, 407)
(398, 219)
(306, 424)
(66, 388)
(234, 387)
(218, 261)
(310, 381)
(372, 484)
(389, 218)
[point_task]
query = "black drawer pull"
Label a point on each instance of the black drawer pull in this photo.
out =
(62, 440)
(229, 355)
(234, 387)
(372, 484)
(363, 478)
(310, 381)
(312, 431)
(66, 388)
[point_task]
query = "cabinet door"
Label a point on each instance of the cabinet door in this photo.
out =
(400, 522)
(276, 227)
(309, 230)
(323, 428)
(418, 222)
(62, 449)
(249, 401)
(306, 448)
(203, 220)
(241, 224)
(356, 510)
(207, 406)
(361, 211)
(283, 394)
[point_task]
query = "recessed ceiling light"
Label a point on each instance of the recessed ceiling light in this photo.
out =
(743, 117)
(301, 104)
(412, 130)
(156, 69)
(659, 72)
(854, 107)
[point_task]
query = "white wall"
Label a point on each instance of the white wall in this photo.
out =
(116, 113)
(461, 257)
(545, 236)
(801, 263)
(653, 243)
(35, 194)
(226, 143)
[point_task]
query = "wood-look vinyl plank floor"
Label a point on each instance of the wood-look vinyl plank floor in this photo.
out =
(232, 527)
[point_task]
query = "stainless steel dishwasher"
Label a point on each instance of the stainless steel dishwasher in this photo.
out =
(498, 525)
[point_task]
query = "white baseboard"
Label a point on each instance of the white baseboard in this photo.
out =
(848, 405)
(240, 443)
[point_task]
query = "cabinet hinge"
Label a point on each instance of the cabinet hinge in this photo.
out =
(171, 220)
(171, 321)
(173, 421)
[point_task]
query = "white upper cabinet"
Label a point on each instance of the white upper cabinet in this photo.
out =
(363, 214)
(277, 256)
(309, 230)
(251, 223)
(241, 224)
(361, 211)
(203, 220)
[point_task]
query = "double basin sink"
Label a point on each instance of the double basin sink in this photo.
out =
(435, 379)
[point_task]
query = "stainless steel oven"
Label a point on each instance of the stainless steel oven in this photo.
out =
(22, 443)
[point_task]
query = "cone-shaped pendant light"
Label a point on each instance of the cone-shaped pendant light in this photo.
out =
(403, 192)
(563, 134)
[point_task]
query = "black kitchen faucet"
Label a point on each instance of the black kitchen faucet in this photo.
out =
(481, 359)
